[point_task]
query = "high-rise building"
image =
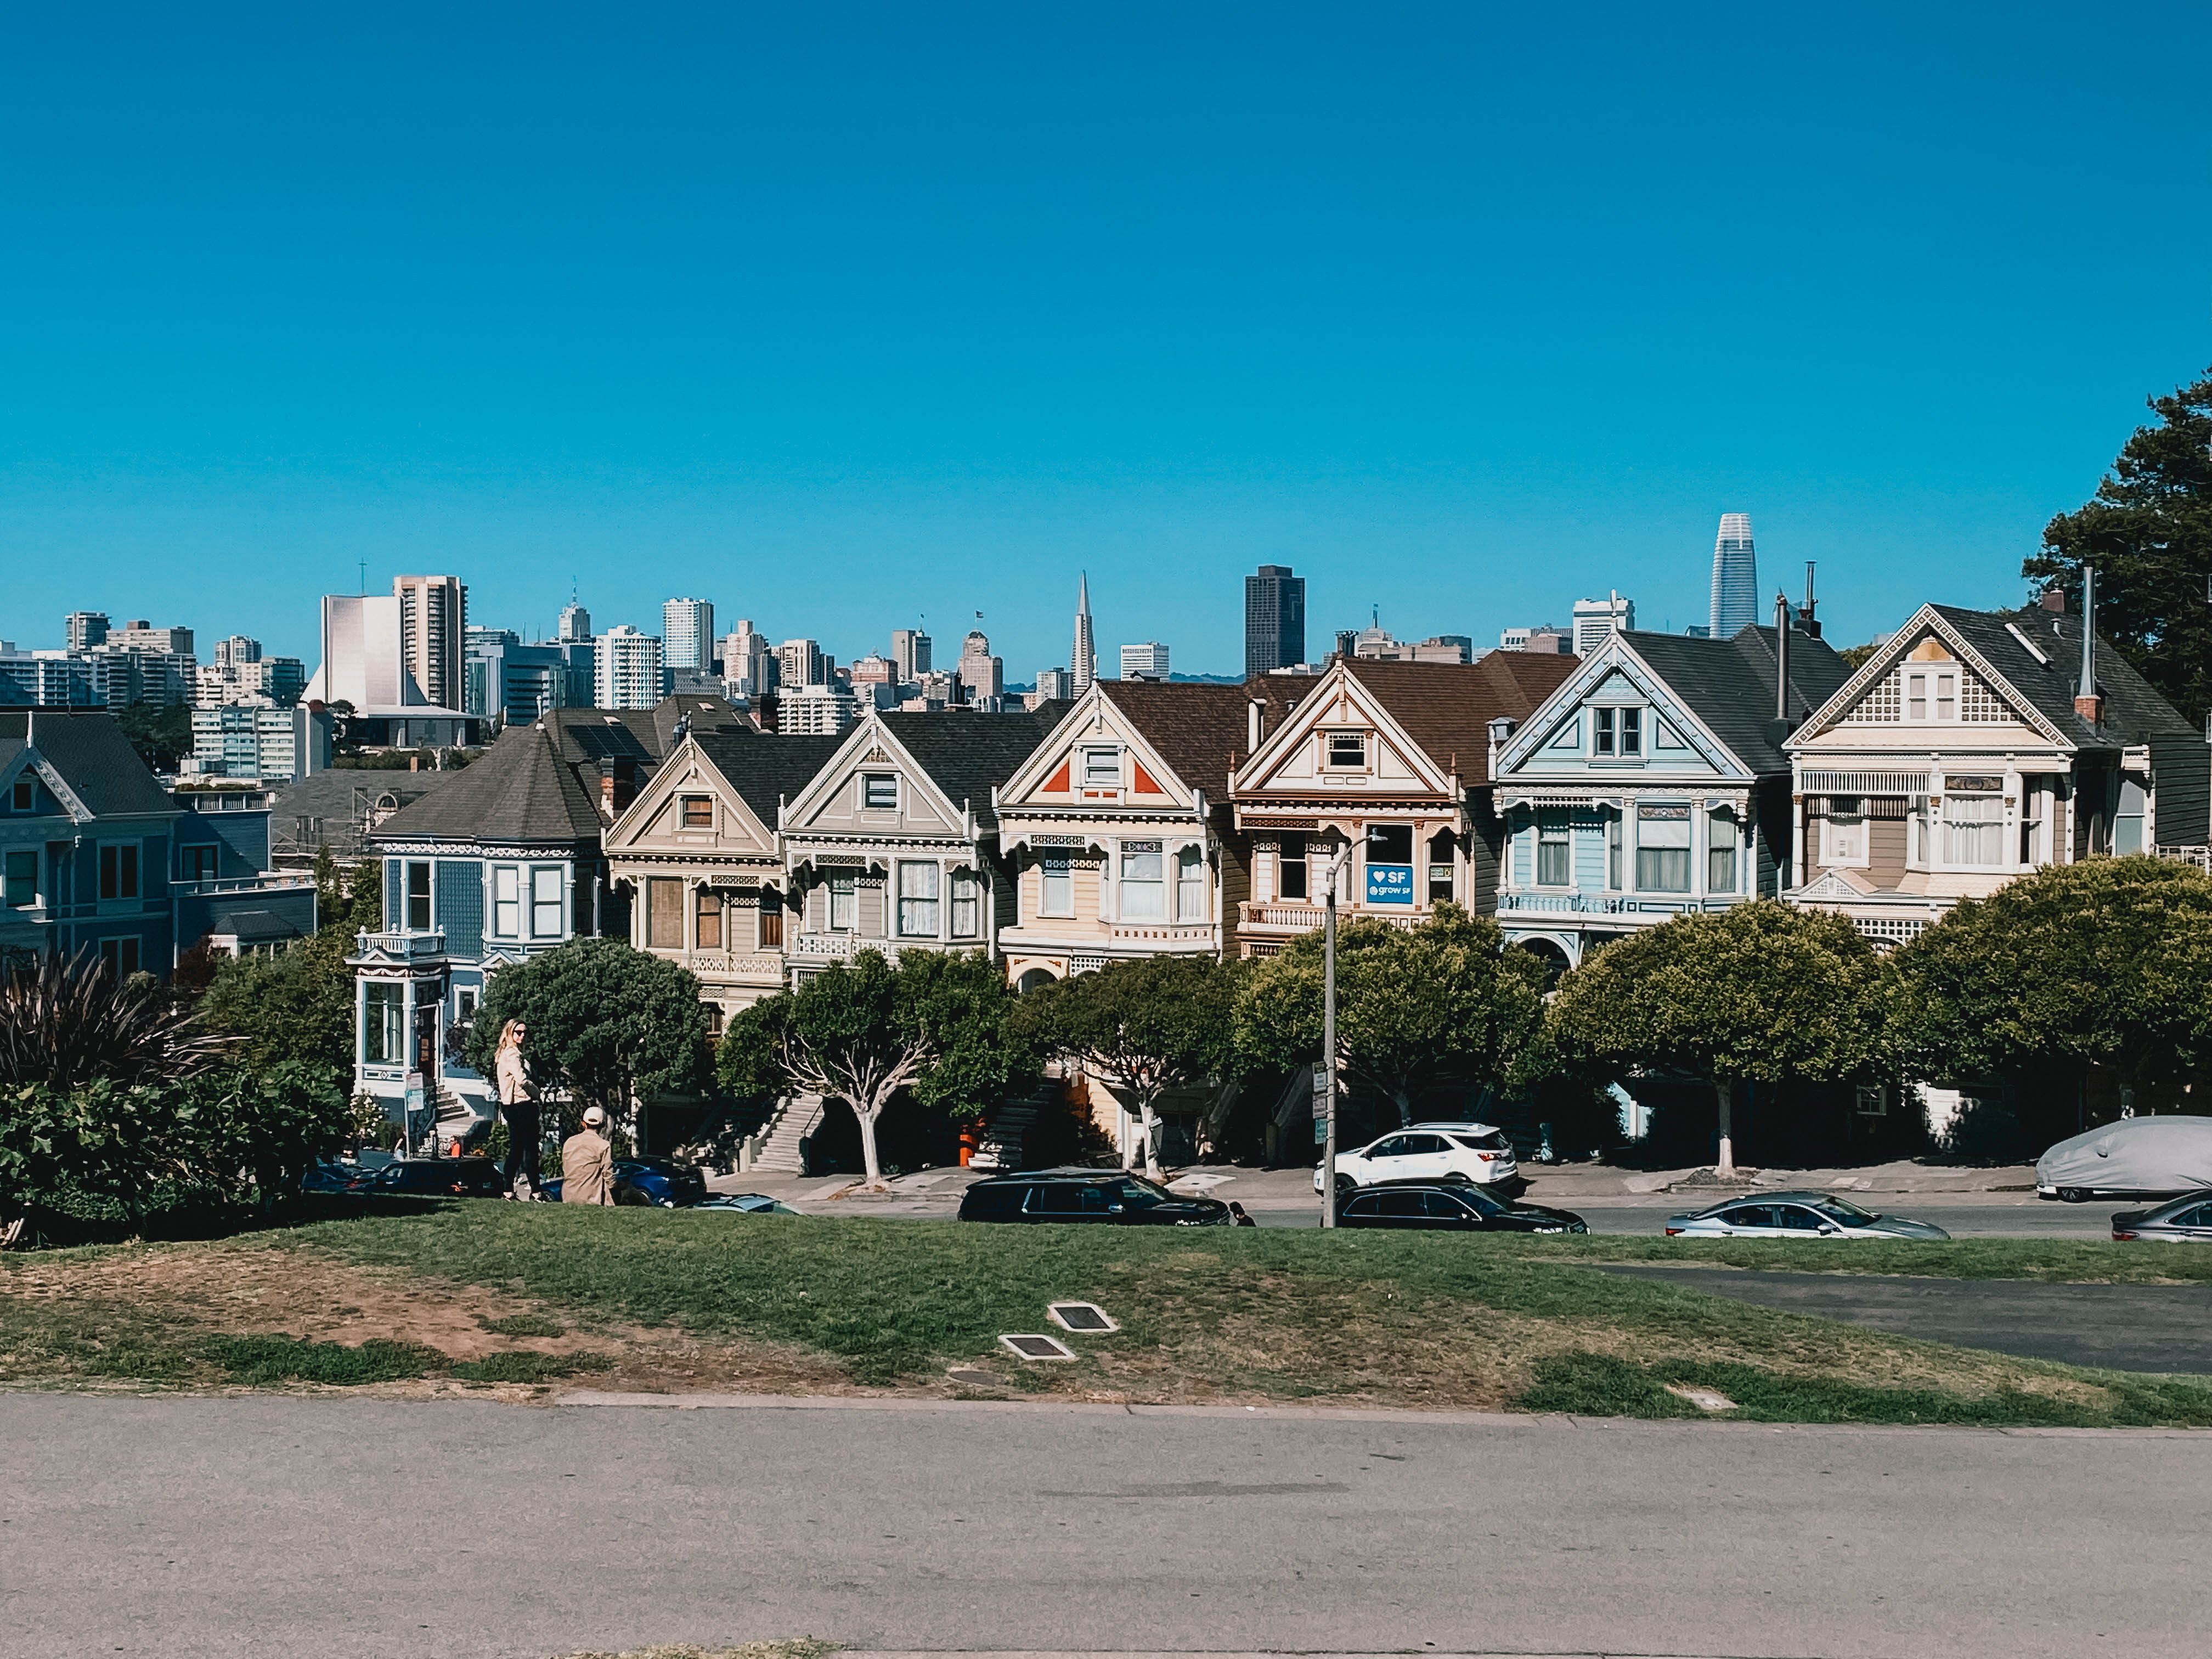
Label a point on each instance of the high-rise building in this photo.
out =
(86, 629)
(1274, 619)
(1082, 657)
(142, 636)
(749, 667)
(686, 632)
(800, 662)
(241, 677)
(911, 654)
(574, 627)
(1054, 684)
(1735, 577)
(982, 676)
(630, 670)
(522, 682)
(434, 619)
(1595, 618)
(235, 650)
(817, 710)
(1147, 661)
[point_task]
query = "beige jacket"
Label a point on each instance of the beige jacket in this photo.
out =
(514, 1082)
(587, 1169)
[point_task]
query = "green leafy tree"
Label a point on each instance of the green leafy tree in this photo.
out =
(1761, 992)
(2100, 965)
(1145, 1027)
(2148, 530)
(298, 1007)
(607, 1025)
(162, 736)
(935, 1024)
(1446, 1002)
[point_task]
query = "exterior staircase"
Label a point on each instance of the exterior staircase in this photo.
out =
(775, 1149)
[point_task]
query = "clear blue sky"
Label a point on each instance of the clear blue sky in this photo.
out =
(836, 316)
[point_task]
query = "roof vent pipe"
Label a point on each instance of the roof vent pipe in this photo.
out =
(2087, 703)
(1781, 656)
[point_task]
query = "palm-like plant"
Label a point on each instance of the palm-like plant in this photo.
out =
(68, 1021)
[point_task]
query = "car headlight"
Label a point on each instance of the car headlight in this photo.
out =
(1550, 1229)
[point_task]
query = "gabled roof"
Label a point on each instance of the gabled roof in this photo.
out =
(87, 747)
(1198, 729)
(965, 754)
(765, 768)
(696, 712)
(528, 787)
(1729, 684)
(1447, 706)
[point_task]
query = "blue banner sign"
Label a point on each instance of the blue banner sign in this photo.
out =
(1389, 883)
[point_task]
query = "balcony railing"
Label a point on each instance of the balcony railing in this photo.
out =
(408, 947)
(2199, 856)
(1610, 904)
(1305, 918)
(283, 881)
(741, 964)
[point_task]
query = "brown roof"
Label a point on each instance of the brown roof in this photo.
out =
(1198, 729)
(1447, 706)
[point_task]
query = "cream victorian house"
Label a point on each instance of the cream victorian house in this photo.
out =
(699, 854)
(1391, 760)
(893, 844)
(1975, 746)
(1116, 832)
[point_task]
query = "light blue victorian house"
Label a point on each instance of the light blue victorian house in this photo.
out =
(1653, 781)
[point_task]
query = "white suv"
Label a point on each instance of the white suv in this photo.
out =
(1429, 1151)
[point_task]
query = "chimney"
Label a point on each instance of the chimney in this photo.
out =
(2087, 703)
(607, 796)
(1805, 617)
(2054, 598)
(414, 763)
(1256, 725)
(1782, 659)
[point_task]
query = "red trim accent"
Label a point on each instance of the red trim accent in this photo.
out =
(1145, 786)
(1057, 783)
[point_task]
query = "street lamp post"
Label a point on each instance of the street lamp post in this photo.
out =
(1328, 1041)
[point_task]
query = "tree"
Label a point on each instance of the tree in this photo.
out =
(298, 1007)
(1147, 1026)
(860, 1032)
(2102, 963)
(161, 735)
(608, 1025)
(1446, 1002)
(2148, 532)
(1760, 992)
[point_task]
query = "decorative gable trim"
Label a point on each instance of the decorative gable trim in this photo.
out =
(1617, 659)
(1907, 640)
(28, 759)
(1342, 699)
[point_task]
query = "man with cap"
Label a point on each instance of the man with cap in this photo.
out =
(587, 1163)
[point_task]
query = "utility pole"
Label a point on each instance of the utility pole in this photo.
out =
(1328, 1041)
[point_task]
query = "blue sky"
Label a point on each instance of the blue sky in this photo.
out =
(841, 316)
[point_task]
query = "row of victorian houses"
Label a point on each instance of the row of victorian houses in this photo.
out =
(1575, 798)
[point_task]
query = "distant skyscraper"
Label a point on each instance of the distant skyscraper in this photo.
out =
(1274, 619)
(1083, 658)
(909, 653)
(1054, 684)
(982, 674)
(687, 634)
(747, 666)
(86, 629)
(800, 662)
(434, 615)
(1148, 661)
(1595, 618)
(575, 625)
(628, 669)
(1735, 577)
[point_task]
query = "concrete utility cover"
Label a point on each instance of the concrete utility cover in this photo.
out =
(1086, 1317)
(1037, 1347)
(975, 1379)
(1705, 1400)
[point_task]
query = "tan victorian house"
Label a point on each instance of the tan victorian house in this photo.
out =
(1974, 746)
(893, 844)
(1391, 760)
(1117, 833)
(699, 852)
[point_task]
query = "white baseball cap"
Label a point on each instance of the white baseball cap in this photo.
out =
(593, 1114)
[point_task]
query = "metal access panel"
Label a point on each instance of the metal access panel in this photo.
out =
(1085, 1318)
(1037, 1347)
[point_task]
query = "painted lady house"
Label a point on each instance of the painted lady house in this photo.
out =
(1652, 782)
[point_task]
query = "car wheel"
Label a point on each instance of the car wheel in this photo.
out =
(2073, 1194)
(1345, 1184)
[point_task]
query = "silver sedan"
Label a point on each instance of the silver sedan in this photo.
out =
(2177, 1221)
(1795, 1215)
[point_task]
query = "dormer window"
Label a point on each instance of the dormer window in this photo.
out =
(23, 794)
(1347, 751)
(1616, 733)
(879, 792)
(1101, 769)
(698, 812)
(1931, 694)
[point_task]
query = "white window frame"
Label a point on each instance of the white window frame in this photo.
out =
(1328, 756)
(1101, 768)
(923, 873)
(1989, 816)
(1048, 878)
(1843, 846)
(967, 901)
(842, 911)
(1151, 891)
(389, 995)
(1931, 695)
(1561, 819)
(868, 782)
(507, 901)
(1688, 849)
(1714, 820)
(1190, 883)
(15, 856)
(540, 875)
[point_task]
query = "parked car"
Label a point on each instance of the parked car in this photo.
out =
(1476, 1153)
(2143, 1158)
(660, 1182)
(432, 1177)
(331, 1175)
(1074, 1194)
(1450, 1206)
(1795, 1215)
(2186, 1220)
(749, 1203)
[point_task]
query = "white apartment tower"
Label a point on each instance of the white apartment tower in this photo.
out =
(686, 632)
(1148, 661)
(1595, 618)
(433, 619)
(627, 669)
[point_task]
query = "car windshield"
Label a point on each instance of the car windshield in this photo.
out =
(1844, 1212)
(1492, 1142)
(1135, 1189)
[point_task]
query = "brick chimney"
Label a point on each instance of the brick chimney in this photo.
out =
(607, 796)
(2054, 598)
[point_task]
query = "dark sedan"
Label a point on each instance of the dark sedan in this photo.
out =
(1112, 1196)
(1451, 1206)
(2177, 1221)
(432, 1177)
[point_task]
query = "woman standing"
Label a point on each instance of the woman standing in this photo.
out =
(520, 1106)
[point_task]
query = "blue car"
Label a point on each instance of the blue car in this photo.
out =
(658, 1181)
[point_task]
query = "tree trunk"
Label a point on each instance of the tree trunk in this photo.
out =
(873, 1180)
(1724, 1094)
(1152, 1123)
(1405, 1108)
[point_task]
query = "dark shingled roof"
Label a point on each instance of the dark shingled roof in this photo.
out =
(2134, 711)
(1198, 729)
(967, 755)
(767, 767)
(699, 712)
(1447, 706)
(538, 783)
(1729, 684)
(88, 748)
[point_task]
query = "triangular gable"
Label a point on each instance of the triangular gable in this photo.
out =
(652, 820)
(830, 803)
(1287, 759)
(1614, 669)
(30, 759)
(1874, 696)
(1052, 776)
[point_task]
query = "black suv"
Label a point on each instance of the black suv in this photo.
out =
(1449, 1206)
(433, 1177)
(1071, 1194)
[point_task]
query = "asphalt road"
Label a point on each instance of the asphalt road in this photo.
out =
(2130, 1328)
(1963, 1215)
(186, 1527)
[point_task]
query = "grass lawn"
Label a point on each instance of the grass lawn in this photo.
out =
(2052, 1261)
(487, 1296)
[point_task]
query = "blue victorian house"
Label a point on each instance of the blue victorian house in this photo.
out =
(1652, 781)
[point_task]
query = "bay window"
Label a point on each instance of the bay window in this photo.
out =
(1721, 851)
(664, 912)
(1843, 832)
(844, 891)
(1973, 830)
(967, 904)
(707, 910)
(917, 900)
(1554, 854)
(1291, 868)
(384, 1025)
(1056, 883)
(1190, 885)
(545, 902)
(507, 901)
(1662, 849)
(1144, 890)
